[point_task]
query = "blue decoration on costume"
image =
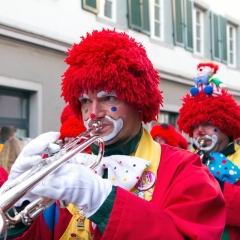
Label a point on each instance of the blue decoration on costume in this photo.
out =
(50, 216)
(222, 168)
(114, 109)
(208, 90)
(203, 80)
(194, 91)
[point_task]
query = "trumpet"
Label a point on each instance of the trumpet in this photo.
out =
(16, 189)
(199, 150)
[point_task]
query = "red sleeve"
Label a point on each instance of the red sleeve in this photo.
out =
(3, 176)
(187, 203)
(232, 198)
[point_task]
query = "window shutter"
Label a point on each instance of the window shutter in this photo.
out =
(178, 22)
(90, 5)
(134, 19)
(145, 14)
(189, 25)
(215, 31)
(223, 28)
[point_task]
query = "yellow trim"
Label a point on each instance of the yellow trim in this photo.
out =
(151, 151)
(235, 157)
(148, 150)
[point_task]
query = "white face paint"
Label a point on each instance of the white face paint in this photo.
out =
(117, 127)
(204, 70)
(213, 138)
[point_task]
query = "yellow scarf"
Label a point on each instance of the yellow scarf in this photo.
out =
(148, 150)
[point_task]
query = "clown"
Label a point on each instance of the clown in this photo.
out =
(111, 80)
(205, 81)
(213, 123)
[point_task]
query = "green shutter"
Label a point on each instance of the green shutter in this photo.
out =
(178, 22)
(90, 5)
(134, 16)
(215, 31)
(145, 19)
(138, 17)
(189, 25)
(223, 22)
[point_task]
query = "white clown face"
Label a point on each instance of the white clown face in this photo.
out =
(120, 121)
(204, 71)
(214, 139)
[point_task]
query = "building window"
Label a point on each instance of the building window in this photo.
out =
(138, 15)
(107, 9)
(198, 31)
(231, 45)
(90, 5)
(14, 105)
(183, 23)
(157, 20)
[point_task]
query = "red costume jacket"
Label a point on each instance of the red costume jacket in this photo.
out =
(187, 203)
(3, 176)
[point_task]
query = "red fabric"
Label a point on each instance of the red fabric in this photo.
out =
(232, 198)
(193, 195)
(182, 142)
(3, 176)
(38, 230)
(115, 61)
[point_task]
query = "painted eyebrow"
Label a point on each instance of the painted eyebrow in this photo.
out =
(84, 95)
(104, 94)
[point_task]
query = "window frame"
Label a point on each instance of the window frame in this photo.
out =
(88, 7)
(101, 12)
(201, 25)
(234, 40)
(153, 20)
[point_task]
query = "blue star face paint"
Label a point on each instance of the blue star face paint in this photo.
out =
(113, 109)
(215, 130)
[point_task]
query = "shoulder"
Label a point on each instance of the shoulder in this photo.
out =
(177, 155)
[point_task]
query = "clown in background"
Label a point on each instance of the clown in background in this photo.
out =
(166, 133)
(213, 123)
(205, 81)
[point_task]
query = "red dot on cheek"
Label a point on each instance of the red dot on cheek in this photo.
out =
(92, 115)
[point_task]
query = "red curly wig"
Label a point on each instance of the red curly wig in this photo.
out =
(107, 60)
(72, 127)
(221, 111)
(209, 64)
(182, 142)
(66, 113)
(166, 132)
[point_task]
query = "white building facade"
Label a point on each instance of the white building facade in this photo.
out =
(177, 35)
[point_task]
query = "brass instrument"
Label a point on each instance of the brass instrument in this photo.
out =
(16, 189)
(199, 150)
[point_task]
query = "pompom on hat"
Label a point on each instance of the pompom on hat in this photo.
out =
(71, 128)
(221, 111)
(66, 113)
(166, 132)
(107, 60)
(182, 142)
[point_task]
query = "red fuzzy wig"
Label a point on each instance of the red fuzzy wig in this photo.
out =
(221, 111)
(66, 113)
(209, 64)
(107, 60)
(182, 142)
(165, 131)
(72, 127)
